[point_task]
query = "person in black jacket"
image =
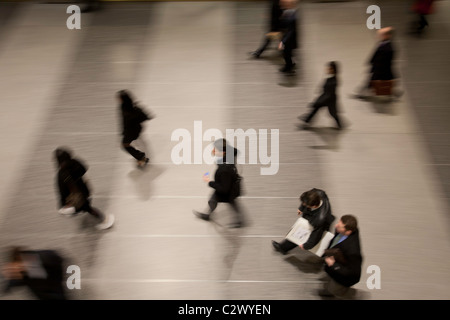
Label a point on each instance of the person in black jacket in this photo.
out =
(316, 208)
(74, 194)
(40, 270)
(224, 179)
(288, 43)
(381, 62)
(328, 98)
(343, 258)
(275, 15)
(132, 117)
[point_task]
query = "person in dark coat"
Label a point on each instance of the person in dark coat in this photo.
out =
(288, 43)
(328, 97)
(381, 62)
(343, 258)
(132, 118)
(316, 208)
(223, 182)
(91, 5)
(74, 194)
(275, 15)
(40, 270)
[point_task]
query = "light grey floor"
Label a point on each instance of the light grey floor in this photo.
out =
(187, 62)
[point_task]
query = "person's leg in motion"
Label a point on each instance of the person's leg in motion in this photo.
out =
(212, 205)
(137, 154)
(287, 55)
(333, 289)
(105, 221)
(284, 246)
(333, 112)
(261, 49)
(315, 107)
(238, 221)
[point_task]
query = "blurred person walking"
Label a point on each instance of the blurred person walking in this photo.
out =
(342, 259)
(422, 8)
(381, 73)
(74, 193)
(40, 270)
(274, 28)
(315, 207)
(91, 5)
(288, 24)
(226, 183)
(132, 118)
(328, 98)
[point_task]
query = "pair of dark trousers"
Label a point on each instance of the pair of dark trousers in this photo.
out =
(287, 55)
(264, 45)
(137, 154)
(331, 109)
(126, 144)
(213, 201)
(287, 245)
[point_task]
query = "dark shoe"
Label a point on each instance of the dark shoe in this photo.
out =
(202, 216)
(303, 117)
(255, 54)
(278, 248)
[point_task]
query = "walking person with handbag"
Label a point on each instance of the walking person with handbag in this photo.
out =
(74, 194)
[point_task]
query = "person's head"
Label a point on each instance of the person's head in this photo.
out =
(332, 68)
(220, 148)
(288, 4)
(62, 156)
(224, 152)
(125, 99)
(311, 199)
(347, 224)
(385, 33)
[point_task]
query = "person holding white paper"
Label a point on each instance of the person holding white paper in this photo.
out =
(342, 259)
(316, 209)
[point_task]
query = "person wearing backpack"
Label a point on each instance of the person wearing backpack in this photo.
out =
(132, 118)
(226, 183)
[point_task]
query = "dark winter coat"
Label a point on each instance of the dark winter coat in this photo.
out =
(348, 273)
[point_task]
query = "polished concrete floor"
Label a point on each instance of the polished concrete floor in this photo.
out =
(188, 62)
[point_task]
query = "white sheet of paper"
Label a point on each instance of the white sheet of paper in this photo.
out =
(320, 248)
(33, 266)
(300, 231)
